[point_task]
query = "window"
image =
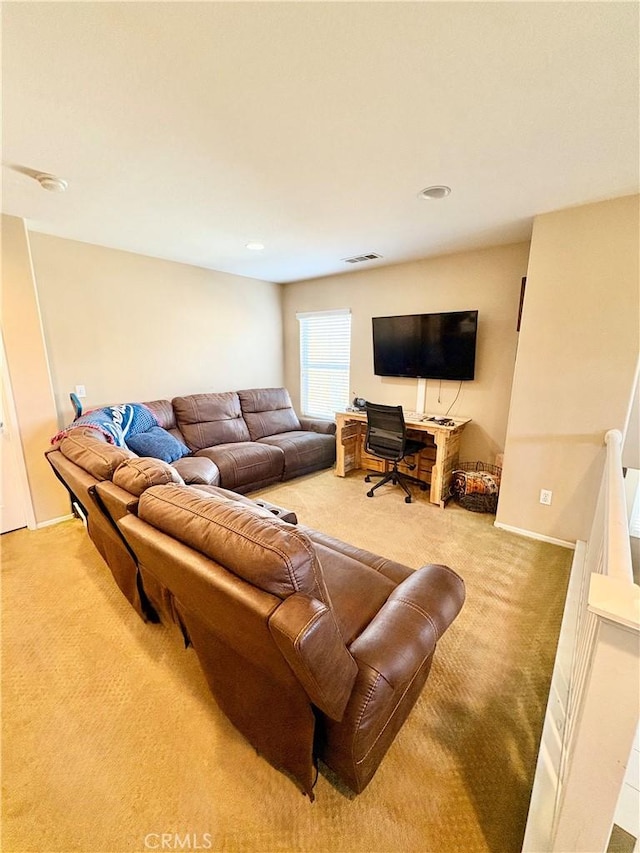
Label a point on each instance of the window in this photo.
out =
(325, 345)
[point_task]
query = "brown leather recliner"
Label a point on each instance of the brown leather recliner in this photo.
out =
(312, 648)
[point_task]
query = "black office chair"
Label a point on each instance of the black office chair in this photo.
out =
(387, 439)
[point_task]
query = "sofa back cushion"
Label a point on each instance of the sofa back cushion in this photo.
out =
(268, 411)
(93, 454)
(249, 541)
(209, 419)
(137, 475)
(166, 417)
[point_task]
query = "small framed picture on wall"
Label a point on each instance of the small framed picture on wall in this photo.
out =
(522, 288)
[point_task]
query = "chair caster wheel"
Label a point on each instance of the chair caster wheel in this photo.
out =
(367, 479)
(370, 493)
(423, 487)
(407, 500)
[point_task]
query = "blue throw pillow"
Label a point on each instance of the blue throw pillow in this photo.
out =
(158, 443)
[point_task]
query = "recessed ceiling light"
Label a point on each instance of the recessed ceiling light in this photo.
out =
(435, 192)
(255, 247)
(51, 183)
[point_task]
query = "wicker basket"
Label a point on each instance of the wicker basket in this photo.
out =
(477, 502)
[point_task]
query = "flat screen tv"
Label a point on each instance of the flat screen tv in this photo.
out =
(426, 346)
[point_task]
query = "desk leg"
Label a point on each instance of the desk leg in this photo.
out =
(347, 447)
(447, 451)
(437, 472)
(340, 472)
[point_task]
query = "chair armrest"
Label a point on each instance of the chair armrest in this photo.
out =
(306, 633)
(404, 632)
(326, 427)
(197, 470)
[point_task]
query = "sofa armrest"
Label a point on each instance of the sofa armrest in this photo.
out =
(306, 633)
(320, 425)
(404, 632)
(116, 501)
(280, 512)
(197, 470)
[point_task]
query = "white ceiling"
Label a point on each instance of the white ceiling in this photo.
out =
(186, 130)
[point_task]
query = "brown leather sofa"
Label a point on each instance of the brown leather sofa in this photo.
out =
(314, 649)
(243, 440)
(253, 437)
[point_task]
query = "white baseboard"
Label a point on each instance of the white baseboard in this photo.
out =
(531, 535)
(53, 521)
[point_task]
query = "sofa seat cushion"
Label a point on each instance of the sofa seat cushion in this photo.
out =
(208, 419)
(268, 411)
(303, 451)
(245, 463)
(248, 540)
(157, 443)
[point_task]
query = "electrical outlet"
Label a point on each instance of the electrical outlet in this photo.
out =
(81, 391)
(545, 496)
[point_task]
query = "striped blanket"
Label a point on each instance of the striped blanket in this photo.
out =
(114, 422)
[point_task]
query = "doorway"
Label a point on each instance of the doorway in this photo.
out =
(15, 503)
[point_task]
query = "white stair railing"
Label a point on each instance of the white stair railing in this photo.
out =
(592, 714)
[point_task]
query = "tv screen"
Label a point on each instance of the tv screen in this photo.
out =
(426, 346)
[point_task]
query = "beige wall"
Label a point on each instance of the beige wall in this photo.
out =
(28, 371)
(131, 327)
(487, 280)
(576, 363)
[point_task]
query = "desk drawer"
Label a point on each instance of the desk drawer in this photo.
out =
(372, 463)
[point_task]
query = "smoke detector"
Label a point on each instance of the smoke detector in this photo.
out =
(51, 183)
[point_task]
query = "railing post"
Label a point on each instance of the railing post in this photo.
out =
(618, 557)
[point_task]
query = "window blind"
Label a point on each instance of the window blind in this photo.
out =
(325, 348)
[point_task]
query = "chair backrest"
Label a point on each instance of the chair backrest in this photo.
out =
(386, 432)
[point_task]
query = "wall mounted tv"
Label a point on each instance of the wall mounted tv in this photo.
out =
(426, 346)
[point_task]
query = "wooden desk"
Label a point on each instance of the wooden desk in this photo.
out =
(434, 464)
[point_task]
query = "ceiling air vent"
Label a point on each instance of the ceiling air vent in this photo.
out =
(359, 259)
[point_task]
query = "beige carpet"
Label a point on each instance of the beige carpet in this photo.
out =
(111, 738)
